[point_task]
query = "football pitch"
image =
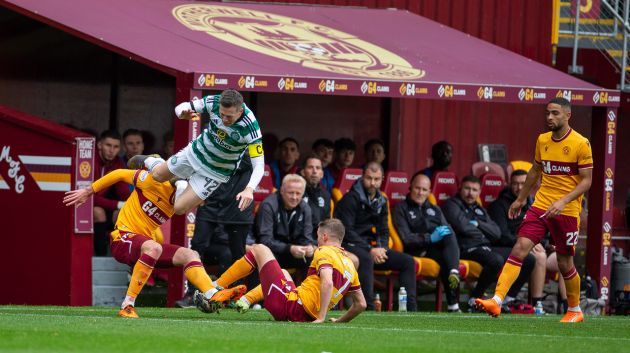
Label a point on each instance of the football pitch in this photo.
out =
(91, 329)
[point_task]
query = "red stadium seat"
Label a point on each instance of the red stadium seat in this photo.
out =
(347, 178)
(265, 187)
(491, 186)
(481, 168)
(444, 186)
(395, 186)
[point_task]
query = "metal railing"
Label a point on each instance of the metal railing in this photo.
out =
(601, 25)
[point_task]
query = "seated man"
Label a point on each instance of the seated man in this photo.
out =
(133, 143)
(374, 151)
(287, 163)
(360, 210)
(425, 232)
(474, 230)
(283, 224)
(343, 158)
(324, 148)
(107, 201)
(133, 241)
(330, 276)
(535, 263)
(441, 154)
(316, 196)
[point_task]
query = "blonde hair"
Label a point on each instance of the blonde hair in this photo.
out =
(294, 178)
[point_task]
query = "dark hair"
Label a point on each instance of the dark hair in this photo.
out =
(471, 179)
(289, 139)
(345, 143)
(563, 102)
(373, 166)
(311, 156)
(373, 142)
(231, 98)
(130, 132)
(323, 142)
(112, 134)
(437, 147)
(168, 136)
(517, 172)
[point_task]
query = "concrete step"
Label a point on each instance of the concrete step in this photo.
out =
(107, 264)
(110, 278)
(108, 295)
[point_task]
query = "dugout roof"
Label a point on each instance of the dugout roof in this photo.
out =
(312, 49)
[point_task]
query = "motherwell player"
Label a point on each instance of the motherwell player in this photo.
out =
(133, 241)
(331, 275)
(564, 161)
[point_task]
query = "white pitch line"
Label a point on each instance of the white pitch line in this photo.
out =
(337, 327)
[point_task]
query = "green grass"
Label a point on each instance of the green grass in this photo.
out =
(90, 329)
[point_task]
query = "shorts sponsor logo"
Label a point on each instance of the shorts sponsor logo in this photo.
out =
(211, 80)
(311, 45)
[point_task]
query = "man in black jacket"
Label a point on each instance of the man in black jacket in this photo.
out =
(360, 210)
(425, 232)
(317, 197)
(284, 225)
(475, 232)
(498, 211)
(220, 219)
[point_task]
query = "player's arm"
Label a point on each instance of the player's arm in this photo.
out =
(532, 178)
(80, 196)
(586, 178)
(191, 110)
(257, 156)
(325, 292)
(357, 307)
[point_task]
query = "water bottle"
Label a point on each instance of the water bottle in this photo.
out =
(538, 309)
(402, 299)
(377, 303)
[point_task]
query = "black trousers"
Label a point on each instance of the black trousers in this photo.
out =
(397, 261)
(205, 230)
(446, 254)
(492, 263)
(526, 270)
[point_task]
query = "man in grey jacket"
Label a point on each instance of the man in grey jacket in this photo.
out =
(283, 223)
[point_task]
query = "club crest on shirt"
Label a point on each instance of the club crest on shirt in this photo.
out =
(412, 214)
(478, 211)
(320, 201)
(235, 136)
(430, 212)
(566, 150)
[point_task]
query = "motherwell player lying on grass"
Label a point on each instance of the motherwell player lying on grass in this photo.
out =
(330, 276)
(133, 241)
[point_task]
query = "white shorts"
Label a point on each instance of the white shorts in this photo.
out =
(202, 184)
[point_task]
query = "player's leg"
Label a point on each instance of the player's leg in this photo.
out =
(256, 295)
(564, 232)
(144, 252)
(199, 188)
(491, 262)
(537, 279)
(552, 266)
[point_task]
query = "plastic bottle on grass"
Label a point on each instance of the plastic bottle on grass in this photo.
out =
(377, 303)
(402, 299)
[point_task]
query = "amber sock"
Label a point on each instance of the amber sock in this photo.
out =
(196, 274)
(239, 269)
(510, 272)
(141, 272)
(572, 282)
(255, 295)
